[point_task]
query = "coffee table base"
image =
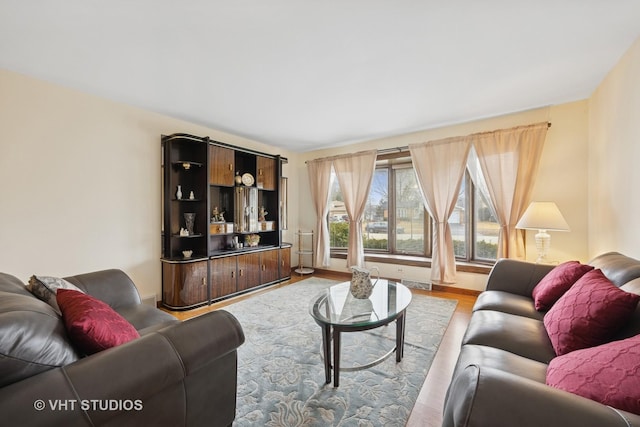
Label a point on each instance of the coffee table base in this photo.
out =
(328, 334)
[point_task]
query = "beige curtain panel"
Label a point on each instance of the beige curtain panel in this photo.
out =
(509, 160)
(320, 184)
(439, 167)
(355, 173)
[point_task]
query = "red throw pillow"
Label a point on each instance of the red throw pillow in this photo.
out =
(589, 313)
(92, 325)
(609, 374)
(556, 283)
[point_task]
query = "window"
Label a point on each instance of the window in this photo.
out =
(396, 222)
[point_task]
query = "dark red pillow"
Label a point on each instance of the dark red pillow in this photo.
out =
(591, 311)
(556, 283)
(609, 374)
(91, 324)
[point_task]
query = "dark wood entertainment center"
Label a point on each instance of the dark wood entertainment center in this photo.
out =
(228, 188)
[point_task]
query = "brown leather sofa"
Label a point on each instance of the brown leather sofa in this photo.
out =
(499, 378)
(175, 374)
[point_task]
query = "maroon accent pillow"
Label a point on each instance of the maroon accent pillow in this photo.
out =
(556, 283)
(589, 313)
(609, 374)
(91, 324)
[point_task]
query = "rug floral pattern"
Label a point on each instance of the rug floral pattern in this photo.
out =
(281, 373)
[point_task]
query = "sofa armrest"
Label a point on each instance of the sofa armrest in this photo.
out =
(159, 379)
(516, 277)
(112, 286)
(489, 397)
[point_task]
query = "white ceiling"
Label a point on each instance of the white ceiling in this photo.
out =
(310, 74)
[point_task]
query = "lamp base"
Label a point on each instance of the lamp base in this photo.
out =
(543, 243)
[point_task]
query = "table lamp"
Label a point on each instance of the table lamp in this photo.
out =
(543, 216)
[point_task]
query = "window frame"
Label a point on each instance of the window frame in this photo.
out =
(395, 161)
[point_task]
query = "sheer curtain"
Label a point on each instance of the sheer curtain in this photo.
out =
(355, 173)
(509, 161)
(320, 184)
(440, 166)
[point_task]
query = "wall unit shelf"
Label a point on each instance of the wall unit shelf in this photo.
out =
(223, 218)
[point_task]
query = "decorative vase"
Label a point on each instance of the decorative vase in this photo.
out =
(238, 179)
(361, 286)
(179, 192)
(189, 219)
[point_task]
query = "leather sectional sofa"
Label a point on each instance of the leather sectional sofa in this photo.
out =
(174, 374)
(500, 378)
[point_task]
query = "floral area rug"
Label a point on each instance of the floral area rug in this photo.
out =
(281, 380)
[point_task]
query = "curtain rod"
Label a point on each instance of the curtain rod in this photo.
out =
(406, 147)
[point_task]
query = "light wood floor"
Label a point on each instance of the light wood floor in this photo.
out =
(427, 411)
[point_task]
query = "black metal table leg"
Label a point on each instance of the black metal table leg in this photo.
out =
(326, 346)
(336, 357)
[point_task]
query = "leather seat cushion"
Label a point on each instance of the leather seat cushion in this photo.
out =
(489, 357)
(33, 338)
(507, 302)
(516, 334)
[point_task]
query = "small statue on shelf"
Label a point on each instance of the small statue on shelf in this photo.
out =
(262, 214)
(217, 216)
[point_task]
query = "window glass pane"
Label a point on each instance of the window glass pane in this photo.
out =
(409, 213)
(338, 219)
(458, 223)
(376, 215)
(486, 229)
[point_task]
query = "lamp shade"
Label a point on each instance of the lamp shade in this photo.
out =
(543, 216)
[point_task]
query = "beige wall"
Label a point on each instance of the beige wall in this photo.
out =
(80, 182)
(614, 174)
(562, 178)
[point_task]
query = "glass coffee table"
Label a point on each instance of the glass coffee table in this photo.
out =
(337, 311)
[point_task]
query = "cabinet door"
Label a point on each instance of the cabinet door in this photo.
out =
(248, 271)
(269, 271)
(285, 263)
(266, 173)
(184, 284)
(223, 276)
(221, 165)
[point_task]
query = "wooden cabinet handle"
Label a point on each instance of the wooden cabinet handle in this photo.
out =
(260, 172)
(264, 267)
(204, 281)
(233, 274)
(230, 166)
(240, 272)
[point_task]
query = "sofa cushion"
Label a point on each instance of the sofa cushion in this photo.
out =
(556, 283)
(490, 357)
(609, 374)
(589, 314)
(45, 287)
(516, 334)
(92, 325)
(32, 337)
(507, 302)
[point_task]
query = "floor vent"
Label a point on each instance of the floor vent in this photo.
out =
(416, 285)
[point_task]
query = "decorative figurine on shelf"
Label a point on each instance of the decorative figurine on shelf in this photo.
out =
(184, 232)
(252, 240)
(179, 193)
(262, 214)
(191, 196)
(238, 179)
(217, 216)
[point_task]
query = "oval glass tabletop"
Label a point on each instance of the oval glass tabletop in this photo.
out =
(336, 306)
